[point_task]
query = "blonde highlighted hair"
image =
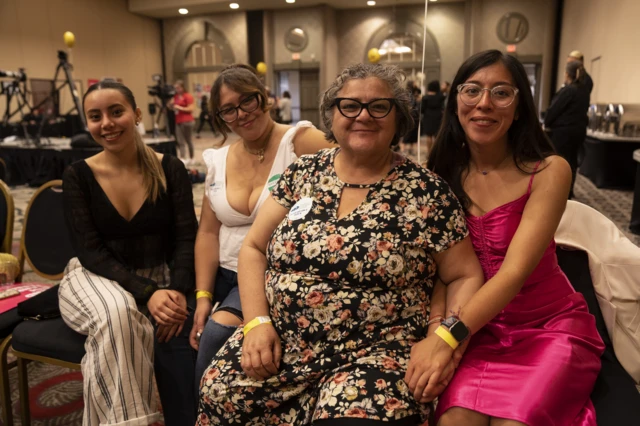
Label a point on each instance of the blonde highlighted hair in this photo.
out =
(153, 177)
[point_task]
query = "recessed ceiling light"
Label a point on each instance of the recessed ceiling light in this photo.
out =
(234, 5)
(183, 11)
(291, 1)
(371, 3)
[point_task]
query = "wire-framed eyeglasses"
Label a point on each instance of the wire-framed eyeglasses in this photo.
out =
(377, 108)
(248, 104)
(501, 96)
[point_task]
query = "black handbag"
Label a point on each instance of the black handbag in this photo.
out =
(41, 306)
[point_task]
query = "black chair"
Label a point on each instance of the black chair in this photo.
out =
(47, 248)
(6, 218)
(615, 397)
(8, 321)
(3, 170)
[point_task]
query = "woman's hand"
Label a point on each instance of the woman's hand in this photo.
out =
(168, 307)
(164, 333)
(429, 360)
(445, 379)
(261, 352)
(200, 318)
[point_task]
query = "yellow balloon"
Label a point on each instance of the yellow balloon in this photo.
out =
(261, 68)
(69, 39)
(373, 55)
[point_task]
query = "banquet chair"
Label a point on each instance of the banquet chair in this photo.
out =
(6, 218)
(614, 396)
(7, 322)
(46, 246)
(3, 170)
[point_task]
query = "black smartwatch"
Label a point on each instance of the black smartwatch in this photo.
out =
(457, 328)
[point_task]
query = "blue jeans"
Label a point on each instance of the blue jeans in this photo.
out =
(174, 368)
(215, 334)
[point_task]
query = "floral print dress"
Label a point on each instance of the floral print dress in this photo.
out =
(348, 298)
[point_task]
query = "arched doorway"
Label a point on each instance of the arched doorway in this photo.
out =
(401, 43)
(198, 61)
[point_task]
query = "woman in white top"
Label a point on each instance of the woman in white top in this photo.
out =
(239, 179)
(285, 108)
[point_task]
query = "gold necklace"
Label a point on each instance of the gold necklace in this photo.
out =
(259, 152)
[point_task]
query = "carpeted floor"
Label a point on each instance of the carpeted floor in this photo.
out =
(56, 393)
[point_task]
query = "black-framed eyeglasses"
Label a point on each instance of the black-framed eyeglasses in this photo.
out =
(501, 96)
(377, 108)
(248, 104)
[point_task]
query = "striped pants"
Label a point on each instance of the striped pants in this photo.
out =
(119, 384)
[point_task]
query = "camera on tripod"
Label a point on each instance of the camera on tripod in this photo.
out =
(163, 91)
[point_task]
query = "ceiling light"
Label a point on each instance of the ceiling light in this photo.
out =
(183, 11)
(234, 5)
(291, 1)
(371, 3)
(433, 0)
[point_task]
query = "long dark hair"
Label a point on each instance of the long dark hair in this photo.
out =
(450, 155)
(153, 177)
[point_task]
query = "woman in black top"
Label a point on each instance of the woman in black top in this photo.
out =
(567, 116)
(432, 106)
(133, 226)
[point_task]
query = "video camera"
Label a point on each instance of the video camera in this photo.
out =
(19, 75)
(163, 91)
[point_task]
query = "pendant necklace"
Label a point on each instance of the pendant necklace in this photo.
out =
(259, 152)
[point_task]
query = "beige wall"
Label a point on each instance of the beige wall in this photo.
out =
(483, 21)
(310, 20)
(609, 30)
(110, 41)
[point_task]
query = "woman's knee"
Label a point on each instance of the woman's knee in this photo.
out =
(456, 416)
(226, 318)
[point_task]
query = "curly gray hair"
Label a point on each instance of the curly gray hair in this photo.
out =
(390, 74)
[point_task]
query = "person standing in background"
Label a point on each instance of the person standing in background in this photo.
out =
(204, 116)
(567, 116)
(411, 139)
(577, 56)
(445, 87)
(432, 107)
(285, 108)
(184, 105)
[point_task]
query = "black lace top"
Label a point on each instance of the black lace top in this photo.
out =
(160, 233)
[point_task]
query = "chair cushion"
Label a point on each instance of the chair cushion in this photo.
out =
(8, 321)
(51, 338)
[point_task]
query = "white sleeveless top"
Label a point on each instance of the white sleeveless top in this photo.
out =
(235, 225)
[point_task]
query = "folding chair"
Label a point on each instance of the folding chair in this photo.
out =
(46, 246)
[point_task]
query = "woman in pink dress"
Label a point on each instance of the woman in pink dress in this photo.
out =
(536, 355)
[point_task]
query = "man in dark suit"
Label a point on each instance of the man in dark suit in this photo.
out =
(576, 55)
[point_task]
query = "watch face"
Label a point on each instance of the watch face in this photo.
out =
(459, 331)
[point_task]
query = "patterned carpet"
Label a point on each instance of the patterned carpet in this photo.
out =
(56, 393)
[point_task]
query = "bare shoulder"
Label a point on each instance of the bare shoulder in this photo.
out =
(159, 155)
(310, 140)
(554, 172)
(310, 133)
(554, 166)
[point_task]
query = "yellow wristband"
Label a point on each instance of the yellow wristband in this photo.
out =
(447, 337)
(204, 293)
(255, 322)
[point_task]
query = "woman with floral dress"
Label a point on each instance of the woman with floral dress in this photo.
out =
(336, 277)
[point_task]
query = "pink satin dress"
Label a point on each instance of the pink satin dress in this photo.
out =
(537, 361)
